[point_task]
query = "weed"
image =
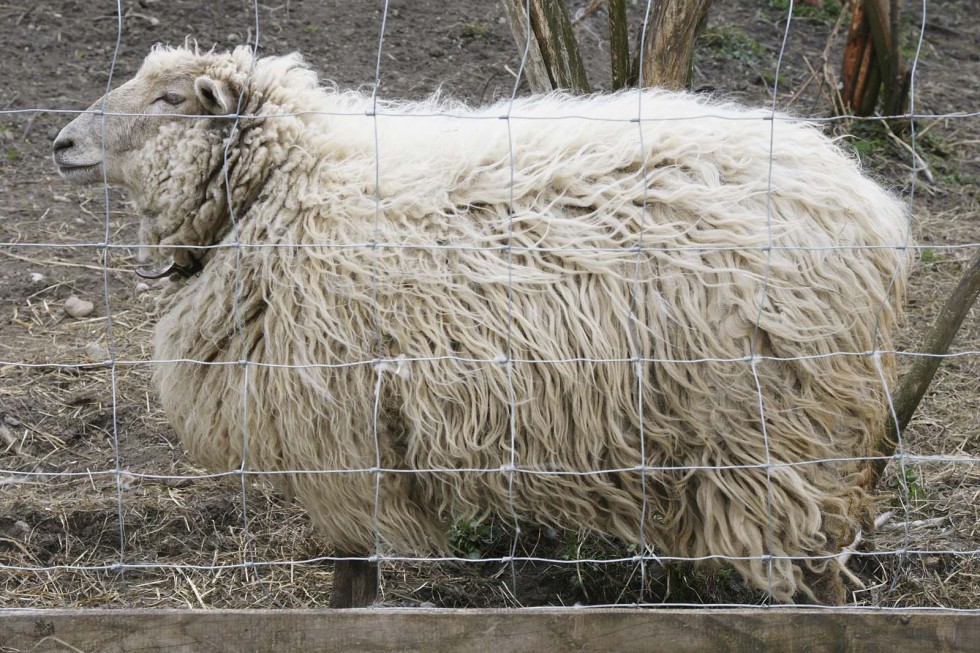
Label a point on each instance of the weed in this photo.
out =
(928, 255)
(825, 13)
(957, 178)
(910, 488)
(475, 539)
(734, 44)
(476, 30)
(868, 137)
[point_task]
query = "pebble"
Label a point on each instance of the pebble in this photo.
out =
(36, 277)
(78, 307)
(141, 288)
(96, 352)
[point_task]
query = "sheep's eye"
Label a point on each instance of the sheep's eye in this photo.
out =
(173, 99)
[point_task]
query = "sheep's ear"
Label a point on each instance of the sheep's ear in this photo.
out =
(215, 96)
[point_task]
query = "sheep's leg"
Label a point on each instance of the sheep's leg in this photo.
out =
(355, 582)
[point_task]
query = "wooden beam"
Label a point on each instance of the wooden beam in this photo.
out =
(477, 631)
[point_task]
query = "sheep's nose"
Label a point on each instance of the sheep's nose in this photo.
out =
(63, 142)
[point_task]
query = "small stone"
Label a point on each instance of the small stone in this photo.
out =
(141, 288)
(78, 307)
(36, 277)
(10, 420)
(96, 352)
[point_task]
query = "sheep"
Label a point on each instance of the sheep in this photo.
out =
(410, 313)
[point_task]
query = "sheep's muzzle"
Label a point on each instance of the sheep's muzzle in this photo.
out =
(172, 268)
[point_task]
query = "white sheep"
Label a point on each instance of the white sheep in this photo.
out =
(545, 305)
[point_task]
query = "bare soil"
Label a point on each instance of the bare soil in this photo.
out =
(68, 422)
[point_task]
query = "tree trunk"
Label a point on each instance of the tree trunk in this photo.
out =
(882, 17)
(553, 29)
(667, 59)
(355, 583)
(619, 44)
(534, 69)
(873, 62)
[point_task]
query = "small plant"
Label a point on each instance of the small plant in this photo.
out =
(478, 30)
(910, 487)
(928, 255)
(312, 29)
(868, 137)
(826, 11)
(734, 44)
(475, 539)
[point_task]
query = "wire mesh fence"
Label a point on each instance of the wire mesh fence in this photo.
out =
(102, 507)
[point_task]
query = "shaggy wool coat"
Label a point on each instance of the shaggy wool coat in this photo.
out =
(664, 330)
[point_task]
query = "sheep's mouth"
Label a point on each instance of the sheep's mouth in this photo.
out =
(76, 172)
(172, 268)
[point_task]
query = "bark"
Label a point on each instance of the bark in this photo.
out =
(873, 64)
(553, 29)
(534, 69)
(619, 44)
(667, 59)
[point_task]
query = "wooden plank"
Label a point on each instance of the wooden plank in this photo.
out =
(477, 631)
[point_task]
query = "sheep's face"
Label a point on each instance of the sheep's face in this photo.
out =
(104, 143)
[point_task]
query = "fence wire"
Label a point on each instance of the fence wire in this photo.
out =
(644, 554)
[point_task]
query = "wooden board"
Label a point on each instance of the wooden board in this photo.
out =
(486, 631)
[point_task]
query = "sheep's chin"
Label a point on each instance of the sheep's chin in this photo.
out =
(82, 174)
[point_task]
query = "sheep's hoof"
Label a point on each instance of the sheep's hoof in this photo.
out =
(355, 583)
(827, 587)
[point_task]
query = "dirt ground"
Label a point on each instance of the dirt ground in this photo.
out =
(66, 425)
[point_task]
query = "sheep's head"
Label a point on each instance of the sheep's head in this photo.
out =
(105, 142)
(174, 136)
(163, 135)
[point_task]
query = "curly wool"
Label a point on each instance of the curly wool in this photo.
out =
(543, 354)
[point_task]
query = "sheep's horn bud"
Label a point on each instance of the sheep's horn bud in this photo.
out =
(172, 267)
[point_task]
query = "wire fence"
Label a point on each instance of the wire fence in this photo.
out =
(23, 479)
